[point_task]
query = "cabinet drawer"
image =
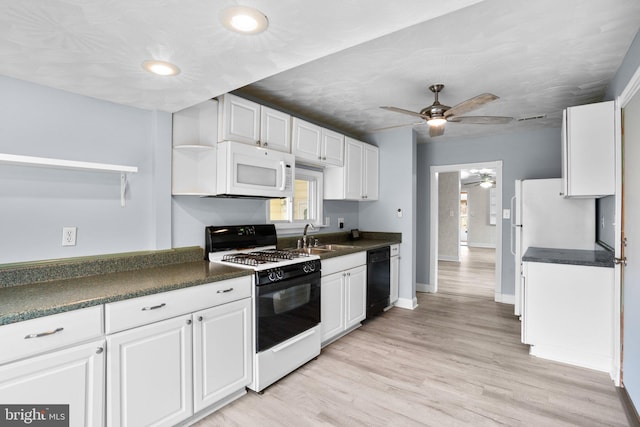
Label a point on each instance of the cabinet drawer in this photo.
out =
(35, 336)
(341, 263)
(152, 308)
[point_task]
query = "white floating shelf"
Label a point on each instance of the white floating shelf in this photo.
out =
(72, 165)
(64, 164)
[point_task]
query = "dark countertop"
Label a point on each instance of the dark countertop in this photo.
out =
(42, 288)
(595, 258)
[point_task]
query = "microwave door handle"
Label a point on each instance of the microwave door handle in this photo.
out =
(284, 176)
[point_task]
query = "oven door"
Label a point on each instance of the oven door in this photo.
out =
(285, 309)
(245, 170)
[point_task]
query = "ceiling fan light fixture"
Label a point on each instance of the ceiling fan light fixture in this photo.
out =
(244, 20)
(486, 184)
(160, 68)
(436, 121)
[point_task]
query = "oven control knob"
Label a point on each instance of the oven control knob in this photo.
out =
(280, 274)
(272, 276)
(309, 267)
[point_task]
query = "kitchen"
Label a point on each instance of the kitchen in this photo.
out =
(39, 203)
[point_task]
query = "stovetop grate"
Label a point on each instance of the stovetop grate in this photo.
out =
(262, 257)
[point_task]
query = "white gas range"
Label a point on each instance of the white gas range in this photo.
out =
(286, 295)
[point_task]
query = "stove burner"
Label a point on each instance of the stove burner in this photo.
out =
(262, 257)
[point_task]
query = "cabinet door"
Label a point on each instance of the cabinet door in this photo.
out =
(332, 148)
(394, 275)
(589, 149)
(222, 352)
(239, 120)
(370, 174)
(332, 305)
(353, 173)
(275, 129)
(74, 377)
(149, 374)
(356, 296)
(306, 141)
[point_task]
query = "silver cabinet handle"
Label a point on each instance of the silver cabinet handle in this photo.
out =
(189, 321)
(224, 291)
(258, 143)
(265, 144)
(155, 307)
(99, 350)
(43, 334)
(200, 318)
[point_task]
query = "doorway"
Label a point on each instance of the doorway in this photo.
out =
(435, 227)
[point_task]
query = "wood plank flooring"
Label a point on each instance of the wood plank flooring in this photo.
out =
(473, 275)
(455, 360)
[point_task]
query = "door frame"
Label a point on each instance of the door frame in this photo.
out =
(632, 89)
(433, 224)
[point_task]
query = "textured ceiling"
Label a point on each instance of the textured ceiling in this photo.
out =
(334, 62)
(537, 56)
(96, 47)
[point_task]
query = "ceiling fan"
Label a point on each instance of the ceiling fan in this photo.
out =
(486, 178)
(436, 114)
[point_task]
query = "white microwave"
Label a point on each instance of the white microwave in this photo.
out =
(251, 171)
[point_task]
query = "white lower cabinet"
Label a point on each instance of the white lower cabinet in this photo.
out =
(222, 352)
(73, 376)
(168, 371)
(394, 274)
(149, 374)
(568, 313)
(343, 295)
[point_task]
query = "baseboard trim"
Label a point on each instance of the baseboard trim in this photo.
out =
(482, 245)
(505, 298)
(407, 303)
(448, 258)
(423, 287)
(629, 409)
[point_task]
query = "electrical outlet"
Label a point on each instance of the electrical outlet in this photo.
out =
(340, 222)
(69, 236)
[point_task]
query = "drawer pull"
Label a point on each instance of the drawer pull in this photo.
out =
(43, 334)
(153, 307)
(99, 350)
(224, 291)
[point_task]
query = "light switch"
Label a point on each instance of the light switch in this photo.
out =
(506, 213)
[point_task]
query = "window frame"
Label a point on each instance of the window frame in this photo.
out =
(315, 209)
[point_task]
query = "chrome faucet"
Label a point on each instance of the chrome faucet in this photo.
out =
(304, 235)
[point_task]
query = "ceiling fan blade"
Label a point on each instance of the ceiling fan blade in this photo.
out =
(470, 104)
(481, 120)
(436, 130)
(396, 126)
(403, 111)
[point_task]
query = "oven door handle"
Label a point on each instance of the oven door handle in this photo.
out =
(292, 342)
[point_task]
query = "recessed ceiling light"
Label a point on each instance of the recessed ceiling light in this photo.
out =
(161, 68)
(245, 20)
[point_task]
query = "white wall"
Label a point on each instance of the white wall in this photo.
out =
(37, 202)
(397, 191)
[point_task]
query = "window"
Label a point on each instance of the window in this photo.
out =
(305, 206)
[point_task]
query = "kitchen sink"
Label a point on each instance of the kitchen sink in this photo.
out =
(320, 249)
(334, 247)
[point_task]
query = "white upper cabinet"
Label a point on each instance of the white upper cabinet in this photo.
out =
(358, 178)
(238, 119)
(241, 120)
(316, 145)
(275, 129)
(588, 150)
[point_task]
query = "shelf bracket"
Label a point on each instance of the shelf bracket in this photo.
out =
(123, 188)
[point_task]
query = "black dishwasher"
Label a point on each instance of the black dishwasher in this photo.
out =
(378, 261)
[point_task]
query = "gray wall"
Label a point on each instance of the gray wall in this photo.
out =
(397, 191)
(38, 202)
(449, 216)
(525, 155)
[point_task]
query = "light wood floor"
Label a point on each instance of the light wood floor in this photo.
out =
(473, 275)
(454, 360)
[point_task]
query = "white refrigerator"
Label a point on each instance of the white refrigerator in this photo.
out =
(544, 218)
